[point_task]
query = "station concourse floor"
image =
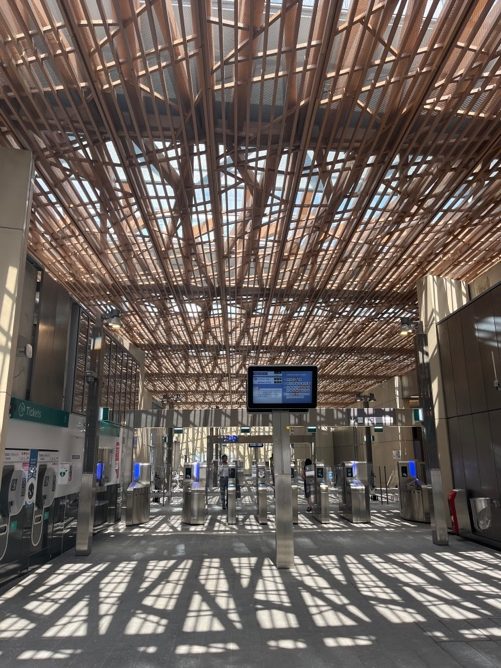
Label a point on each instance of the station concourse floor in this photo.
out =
(168, 594)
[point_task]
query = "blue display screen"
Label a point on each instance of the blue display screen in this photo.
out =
(281, 388)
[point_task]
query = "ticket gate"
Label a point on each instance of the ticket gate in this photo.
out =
(355, 502)
(193, 511)
(260, 474)
(232, 502)
(294, 494)
(321, 505)
(414, 494)
(137, 496)
(194, 493)
(262, 503)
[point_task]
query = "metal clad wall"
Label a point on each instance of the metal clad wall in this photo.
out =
(459, 367)
(20, 382)
(495, 425)
(474, 349)
(488, 325)
(485, 454)
(447, 372)
(470, 355)
(49, 357)
(456, 450)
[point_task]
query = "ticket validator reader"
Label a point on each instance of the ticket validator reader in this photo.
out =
(321, 506)
(355, 502)
(414, 493)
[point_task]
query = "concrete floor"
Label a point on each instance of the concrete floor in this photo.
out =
(166, 594)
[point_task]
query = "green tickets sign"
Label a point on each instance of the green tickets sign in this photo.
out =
(20, 409)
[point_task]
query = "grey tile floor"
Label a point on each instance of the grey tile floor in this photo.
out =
(166, 594)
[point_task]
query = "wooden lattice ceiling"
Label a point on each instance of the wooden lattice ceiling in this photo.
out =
(257, 182)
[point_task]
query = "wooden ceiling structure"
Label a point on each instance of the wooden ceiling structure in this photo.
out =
(257, 182)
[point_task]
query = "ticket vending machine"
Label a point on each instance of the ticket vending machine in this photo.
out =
(12, 491)
(44, 498)
(321, 506)
(355, 501)
(414, 493)
(12, 497)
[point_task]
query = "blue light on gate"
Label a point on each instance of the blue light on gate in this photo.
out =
(136, 471)
(412, 468)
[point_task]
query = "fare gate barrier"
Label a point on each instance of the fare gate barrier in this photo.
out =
(357, 506)
(232, 502)
(262, 503)
(295, 513)
(197, 503)
(321, 506)
(186, 513)
(355, 503)
(414, 494)
(193, 503)
(137, 503)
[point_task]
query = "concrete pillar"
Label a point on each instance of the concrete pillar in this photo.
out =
(437, 298)
(16, 185)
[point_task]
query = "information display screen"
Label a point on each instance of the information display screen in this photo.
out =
(281, 388)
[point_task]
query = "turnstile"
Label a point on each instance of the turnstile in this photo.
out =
(262, 504)
(232, 502)
(137, 503)
(414, 494)
(321, 505)
(193, 502)
(355, 502)
(295, 513)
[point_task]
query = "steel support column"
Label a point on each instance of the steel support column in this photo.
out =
(283, 493)
(438, 510)
(86, 500)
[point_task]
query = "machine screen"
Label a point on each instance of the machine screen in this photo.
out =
(349, 472)
(404, 472)
(281, 388)
(13, 485)
(320, 473)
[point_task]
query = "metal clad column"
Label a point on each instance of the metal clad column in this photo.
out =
(438, 513)
(16, 172)
(283, 493)
(86, 499)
